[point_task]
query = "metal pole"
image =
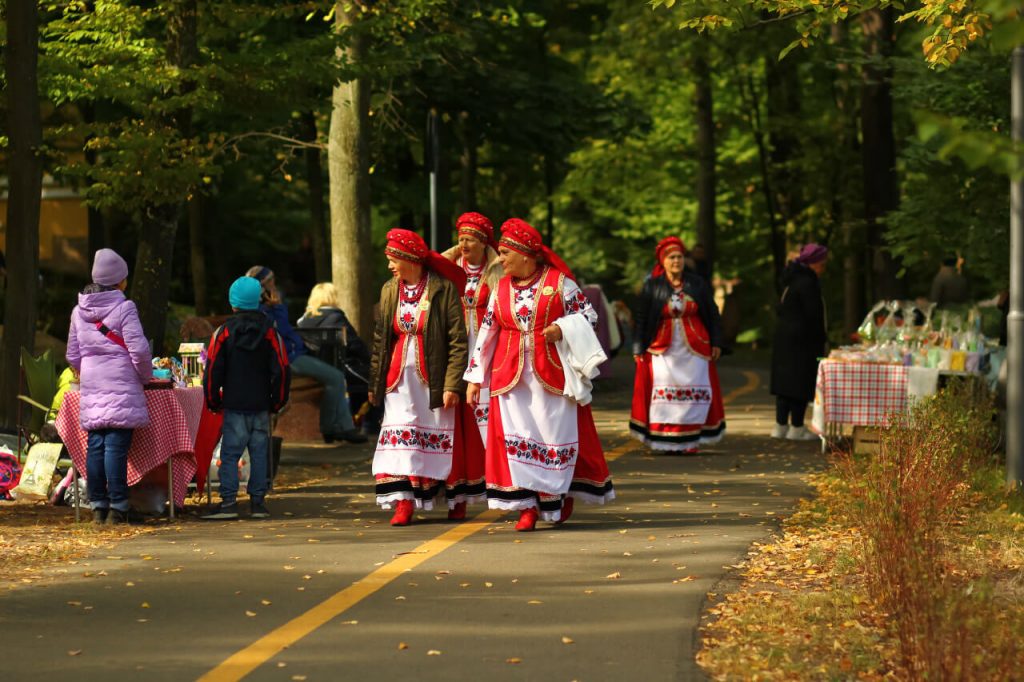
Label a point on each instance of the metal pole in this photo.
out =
(433, 145)
(1015, 322)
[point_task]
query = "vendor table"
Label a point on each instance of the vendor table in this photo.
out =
(174, 416)
(866, 394)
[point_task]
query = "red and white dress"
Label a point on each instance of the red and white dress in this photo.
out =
(541, 445)
(474, 303)
(419, 455)
(677, 401)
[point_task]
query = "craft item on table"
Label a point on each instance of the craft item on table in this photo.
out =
(193, 360)
(958, 361)
(945, 358)
(973, 362)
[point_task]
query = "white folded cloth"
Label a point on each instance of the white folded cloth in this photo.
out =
(581, 354)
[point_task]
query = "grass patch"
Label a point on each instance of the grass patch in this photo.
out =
(906, 565)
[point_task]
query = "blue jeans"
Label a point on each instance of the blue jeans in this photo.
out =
(106, 468)
(335, 414)
(244, 430)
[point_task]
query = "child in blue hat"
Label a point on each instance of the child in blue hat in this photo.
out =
(247, 376)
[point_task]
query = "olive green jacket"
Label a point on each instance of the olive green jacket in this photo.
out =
(444, 342)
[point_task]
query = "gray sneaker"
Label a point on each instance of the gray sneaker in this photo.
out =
(222, 512)
(258, 510)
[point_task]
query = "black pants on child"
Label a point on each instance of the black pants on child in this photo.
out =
(789, 407)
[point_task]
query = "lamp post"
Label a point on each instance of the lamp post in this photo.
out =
(433, 157)
(1015, 320)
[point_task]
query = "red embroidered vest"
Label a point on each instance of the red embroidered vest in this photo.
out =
(548, 306)
(695, 335)
(402, 336)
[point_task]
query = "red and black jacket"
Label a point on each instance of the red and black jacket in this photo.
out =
(247, 366)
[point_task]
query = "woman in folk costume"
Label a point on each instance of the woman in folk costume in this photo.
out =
(542, 447)
(477, 254)
(419, 354)
(677, 401)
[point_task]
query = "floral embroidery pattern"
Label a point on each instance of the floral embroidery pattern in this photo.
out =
(678, 394)
(523, 306)
(472, 285)
(539, 453)
(407, 317)
(482, 413)
(405, 437)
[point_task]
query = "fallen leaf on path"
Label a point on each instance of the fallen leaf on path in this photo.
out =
(250, 613)
(281, 664)
(129, 584)
(535, 601)
(145, 605)
(400, 598)
(613, 576)
(74, 603)
(588, 592)
(298, 678)
(265, 602)
(433, 652)
(142, 620)
(74, 652)
(402, 646)
(289, 568)
(568, 640)
(350, 622)
(488, 584)
(514, 661)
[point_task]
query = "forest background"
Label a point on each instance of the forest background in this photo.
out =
(210, 136)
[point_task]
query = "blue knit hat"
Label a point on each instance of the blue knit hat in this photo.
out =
(244, 293)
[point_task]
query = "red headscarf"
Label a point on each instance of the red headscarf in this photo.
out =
(522, 238)
(665, 247)
(409, 246)
(478, 226)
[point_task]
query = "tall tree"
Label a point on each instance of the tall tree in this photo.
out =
(152, 282)
(881, 190)
(25, 176)
(348, 170)
(706, 153)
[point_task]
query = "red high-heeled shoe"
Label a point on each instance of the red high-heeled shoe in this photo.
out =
(527, 519)
(566, 511)
(458, 512)
(403, 513)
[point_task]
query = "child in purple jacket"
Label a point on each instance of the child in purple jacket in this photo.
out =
(110, 353)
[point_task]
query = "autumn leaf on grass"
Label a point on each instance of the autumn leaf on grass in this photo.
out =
(250, 613)
(265, 602)
(74, 652)
(513, 661)
(402, 646)
(433, 652)
(567, 640)
(685, 579)
(613, 576)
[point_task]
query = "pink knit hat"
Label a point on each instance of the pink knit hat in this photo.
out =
(108, 268)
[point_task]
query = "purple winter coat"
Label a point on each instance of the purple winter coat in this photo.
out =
(112, 377)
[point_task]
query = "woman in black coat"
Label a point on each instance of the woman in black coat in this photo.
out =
(800, 336)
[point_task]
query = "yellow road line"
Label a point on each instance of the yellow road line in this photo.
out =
(262, 650)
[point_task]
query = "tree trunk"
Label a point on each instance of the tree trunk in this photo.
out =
(317, 214)
(25, 177)
(777, 237)
(197, 251)
(154, 259)
(782, 104)
(706, 156)
(348, 171)
(151, 280)
(881, 190)
(468, 162)
(853, 289)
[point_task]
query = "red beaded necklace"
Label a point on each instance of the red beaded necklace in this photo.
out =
(532, 281)
(413, 294)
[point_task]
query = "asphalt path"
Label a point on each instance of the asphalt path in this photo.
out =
(327, 590)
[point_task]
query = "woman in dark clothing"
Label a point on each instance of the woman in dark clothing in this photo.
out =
(800, 337)
(677, 400)
(335, 416)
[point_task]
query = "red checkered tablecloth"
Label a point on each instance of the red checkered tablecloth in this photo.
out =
(173, 423)
(862, 394)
